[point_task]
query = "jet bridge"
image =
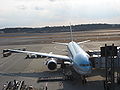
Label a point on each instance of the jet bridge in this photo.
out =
(109, 59)
(98, 61)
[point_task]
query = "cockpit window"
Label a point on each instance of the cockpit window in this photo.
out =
(84, 64)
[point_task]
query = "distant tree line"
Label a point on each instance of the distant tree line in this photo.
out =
(47, 29)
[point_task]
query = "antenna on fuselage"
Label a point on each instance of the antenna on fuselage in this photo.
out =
(71, 32)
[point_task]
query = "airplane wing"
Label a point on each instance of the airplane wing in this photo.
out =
(50, 55)
(94, 52)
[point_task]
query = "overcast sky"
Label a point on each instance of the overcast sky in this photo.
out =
(36, 13)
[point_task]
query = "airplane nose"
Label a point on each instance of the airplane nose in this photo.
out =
(87, 69)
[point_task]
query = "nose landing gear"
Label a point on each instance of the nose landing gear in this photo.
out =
(83, 78)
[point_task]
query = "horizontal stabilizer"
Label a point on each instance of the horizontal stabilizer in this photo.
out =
(60, 43)
(83, 41)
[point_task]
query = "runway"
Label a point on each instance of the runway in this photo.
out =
(30, 70)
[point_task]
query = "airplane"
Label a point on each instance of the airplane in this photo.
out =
(77, 57)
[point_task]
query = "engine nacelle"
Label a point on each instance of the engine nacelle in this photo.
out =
(51, 64)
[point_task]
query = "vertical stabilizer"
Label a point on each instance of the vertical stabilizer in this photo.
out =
(71, 32)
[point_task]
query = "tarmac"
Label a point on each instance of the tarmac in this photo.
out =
(16, 67)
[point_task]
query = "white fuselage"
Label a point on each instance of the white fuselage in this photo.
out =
(80, 58)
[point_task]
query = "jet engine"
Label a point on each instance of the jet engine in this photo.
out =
(51, 64)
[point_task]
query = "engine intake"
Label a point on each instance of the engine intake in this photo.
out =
(52, 64)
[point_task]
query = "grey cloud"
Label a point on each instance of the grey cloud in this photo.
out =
(52, 0)
(22, 7)
(38, 8)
